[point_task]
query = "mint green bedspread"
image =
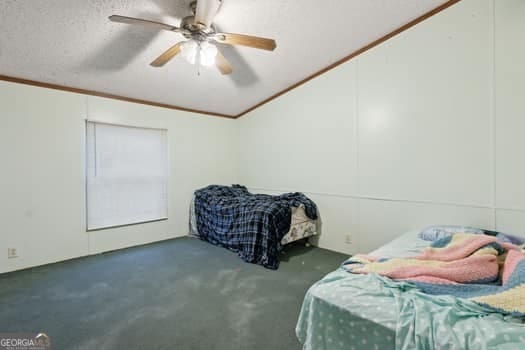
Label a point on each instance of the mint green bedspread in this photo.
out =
(348, 311)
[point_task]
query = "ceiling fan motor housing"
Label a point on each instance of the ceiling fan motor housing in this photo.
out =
(196, 31)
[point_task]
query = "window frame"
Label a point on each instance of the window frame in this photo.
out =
(86, 191)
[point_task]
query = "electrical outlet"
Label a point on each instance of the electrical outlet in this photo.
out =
(11, 253)
(348, 239)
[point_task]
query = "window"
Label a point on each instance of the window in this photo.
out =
(126, 174)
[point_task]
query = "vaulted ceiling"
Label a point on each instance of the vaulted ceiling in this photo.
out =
(72, 43)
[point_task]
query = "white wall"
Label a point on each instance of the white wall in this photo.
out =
(42, 175)
(426, 128)
(509, 127)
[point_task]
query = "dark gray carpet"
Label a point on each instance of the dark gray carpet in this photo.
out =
(177, 294)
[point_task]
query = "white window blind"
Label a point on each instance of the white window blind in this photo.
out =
(127, 175)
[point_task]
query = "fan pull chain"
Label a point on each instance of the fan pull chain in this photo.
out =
(198, 60)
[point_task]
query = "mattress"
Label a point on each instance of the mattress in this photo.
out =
(301, 225)
(351, 311)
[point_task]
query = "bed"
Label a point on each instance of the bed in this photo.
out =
(256, 226)
(367, 311)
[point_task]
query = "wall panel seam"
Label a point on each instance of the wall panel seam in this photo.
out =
(400, 200)
(357, 172)
(385, 199)
(493, 111)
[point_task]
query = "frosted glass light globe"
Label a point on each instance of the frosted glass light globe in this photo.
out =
(207, 54)
(189, 50)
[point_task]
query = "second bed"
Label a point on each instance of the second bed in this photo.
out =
(353, 311)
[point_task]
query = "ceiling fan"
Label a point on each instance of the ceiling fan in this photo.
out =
(201, 37)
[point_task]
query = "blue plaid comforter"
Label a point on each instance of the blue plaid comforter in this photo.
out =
(252, 225)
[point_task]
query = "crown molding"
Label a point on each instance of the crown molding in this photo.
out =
(107, 95)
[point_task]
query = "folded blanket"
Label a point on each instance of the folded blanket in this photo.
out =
(464, 265)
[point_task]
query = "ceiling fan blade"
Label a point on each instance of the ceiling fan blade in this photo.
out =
(167, 56)
(206, 11)
(143, 22)
(246, 40)
(223, 64)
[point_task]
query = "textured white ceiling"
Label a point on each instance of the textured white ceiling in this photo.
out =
(71, 42)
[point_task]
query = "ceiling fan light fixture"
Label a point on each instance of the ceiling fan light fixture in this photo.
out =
(189, 50)
(203, 53)
(208, 52)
